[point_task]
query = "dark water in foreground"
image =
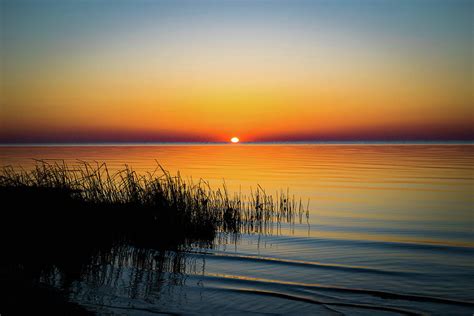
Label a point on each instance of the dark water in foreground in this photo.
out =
(390, 231)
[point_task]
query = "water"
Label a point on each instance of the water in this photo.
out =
(390, 230)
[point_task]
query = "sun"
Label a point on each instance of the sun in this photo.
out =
(235, 140)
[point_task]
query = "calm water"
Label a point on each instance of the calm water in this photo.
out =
(390, 230)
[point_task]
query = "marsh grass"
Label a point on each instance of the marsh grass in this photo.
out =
(60, 222)
(192, 209)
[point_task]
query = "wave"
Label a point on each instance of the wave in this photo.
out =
(327, 304)
(430, 246)
(300, 263)
(287, 285)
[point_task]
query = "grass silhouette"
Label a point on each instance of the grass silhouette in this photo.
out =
(59, 217)
(154, 200)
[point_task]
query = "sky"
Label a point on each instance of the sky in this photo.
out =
(149, 70)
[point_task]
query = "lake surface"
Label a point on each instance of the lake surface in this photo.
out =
(390, 231)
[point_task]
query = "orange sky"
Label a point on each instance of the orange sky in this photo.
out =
(262, 72)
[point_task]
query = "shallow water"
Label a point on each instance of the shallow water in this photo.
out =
(390, 230)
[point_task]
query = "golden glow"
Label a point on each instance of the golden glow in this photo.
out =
(328, 188)
(235, 140)
(272, 76)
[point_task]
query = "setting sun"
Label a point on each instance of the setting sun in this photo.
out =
(235, 139)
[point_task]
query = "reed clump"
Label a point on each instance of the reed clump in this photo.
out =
(148, 202)
(67, 220)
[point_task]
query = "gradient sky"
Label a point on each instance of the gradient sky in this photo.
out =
(143, 70)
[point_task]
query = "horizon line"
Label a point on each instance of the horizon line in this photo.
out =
(190, 143)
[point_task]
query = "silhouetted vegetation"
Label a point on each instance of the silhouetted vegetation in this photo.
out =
(59, 220)
(151, 201)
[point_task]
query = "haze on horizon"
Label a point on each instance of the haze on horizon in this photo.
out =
(146, 70)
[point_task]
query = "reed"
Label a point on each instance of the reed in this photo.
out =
(60, 222)
(155, 200)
